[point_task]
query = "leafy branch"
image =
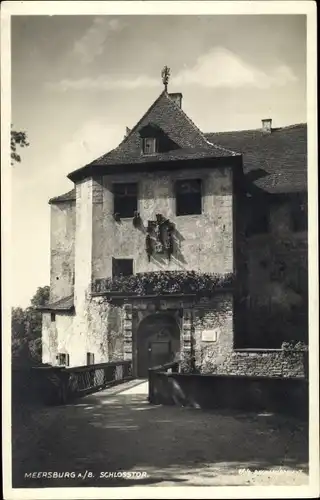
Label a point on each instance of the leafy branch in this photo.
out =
(18, 139)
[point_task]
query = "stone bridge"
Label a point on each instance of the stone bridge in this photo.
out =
(118, 431)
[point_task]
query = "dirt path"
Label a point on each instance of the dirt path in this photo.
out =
(118, 430)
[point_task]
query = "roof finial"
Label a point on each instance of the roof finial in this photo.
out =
(165, 73)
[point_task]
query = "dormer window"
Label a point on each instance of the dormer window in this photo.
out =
(149, 145)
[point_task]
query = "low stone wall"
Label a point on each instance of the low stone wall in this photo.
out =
(264, 363)
(283, 395)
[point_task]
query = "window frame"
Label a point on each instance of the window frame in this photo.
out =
(90, 357)
(114, 259)
(176, 194)
(154, 143)
(119, 195)
(66, 359)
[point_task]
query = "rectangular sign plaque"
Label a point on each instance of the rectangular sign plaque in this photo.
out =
(209, 335)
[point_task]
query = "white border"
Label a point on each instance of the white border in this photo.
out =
(308, 8)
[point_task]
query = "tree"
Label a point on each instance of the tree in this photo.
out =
(26, 325)
(17, 139)
(18, 340)
(41, 296)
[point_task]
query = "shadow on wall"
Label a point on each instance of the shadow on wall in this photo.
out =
(177, 241)
(284, 395)
(162, 259)
(277, 314)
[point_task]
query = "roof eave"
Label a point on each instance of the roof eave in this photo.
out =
(56, 201)
(68, 197)
(55, 309)
(90, 169)
(77, 175)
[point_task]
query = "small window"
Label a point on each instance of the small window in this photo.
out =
(122, 267)
(63, 359)
(149, 145)
(90, 358)
(188, 197)
(125, 199)
(299, 217)
(53, 317)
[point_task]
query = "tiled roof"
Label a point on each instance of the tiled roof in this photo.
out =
(275, 161)
(69, 196)
(65, 304)
(176, 125)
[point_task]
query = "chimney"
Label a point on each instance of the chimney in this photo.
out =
(177, 98)
(128, 130)
(267, 124)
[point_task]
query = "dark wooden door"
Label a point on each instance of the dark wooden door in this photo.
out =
(157, 340)
(159, 353)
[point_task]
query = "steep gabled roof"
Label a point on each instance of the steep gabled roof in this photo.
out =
(275, 161)
(69, 196)
(178, 127)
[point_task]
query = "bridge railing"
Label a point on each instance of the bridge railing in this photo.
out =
(61, 385)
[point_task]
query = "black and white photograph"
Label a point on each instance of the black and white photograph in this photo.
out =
(161, 293)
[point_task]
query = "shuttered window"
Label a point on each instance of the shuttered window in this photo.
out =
(125, 199)
(188, 197)
(63, 359)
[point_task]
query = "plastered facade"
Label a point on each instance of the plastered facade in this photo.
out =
(62, 246)
(203, 242)
(98, 331)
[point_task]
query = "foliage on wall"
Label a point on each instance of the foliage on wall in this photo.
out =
(294, 346)
(165, 282)
(186, 360)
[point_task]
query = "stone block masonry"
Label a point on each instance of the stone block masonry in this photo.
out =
(214, 352)
(266, 363)
(127, 327)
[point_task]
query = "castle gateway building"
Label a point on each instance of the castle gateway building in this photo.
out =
(182, 245)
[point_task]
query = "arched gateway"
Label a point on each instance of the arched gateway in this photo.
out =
(158, 340)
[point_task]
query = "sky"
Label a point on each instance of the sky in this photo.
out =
(78, 81)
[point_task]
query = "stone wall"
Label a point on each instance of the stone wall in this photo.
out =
(213, 330)
(100, 332)
(202, 242)
(208, 335)
(109, 331)
(83, 245)
(205, 243)
(246, 393)
(57, 337)
(63, 221)
(263, 363)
